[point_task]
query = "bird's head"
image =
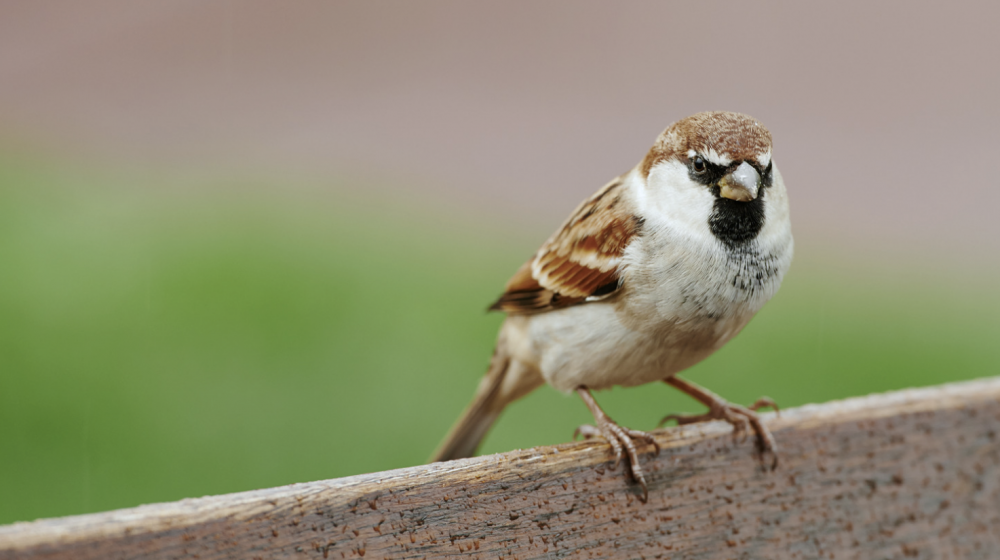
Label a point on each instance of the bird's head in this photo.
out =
(712, 169)
(729, 152)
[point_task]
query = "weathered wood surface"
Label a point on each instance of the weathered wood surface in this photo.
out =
(912, 474)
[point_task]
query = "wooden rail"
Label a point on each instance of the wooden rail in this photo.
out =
(911, 474)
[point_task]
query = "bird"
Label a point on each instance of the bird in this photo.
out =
(650, 275)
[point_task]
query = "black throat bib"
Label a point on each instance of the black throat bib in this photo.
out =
(736, 223)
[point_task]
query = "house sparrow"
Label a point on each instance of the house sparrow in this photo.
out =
(647, 277)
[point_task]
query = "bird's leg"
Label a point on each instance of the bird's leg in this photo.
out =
(741, 417)
(618, 437)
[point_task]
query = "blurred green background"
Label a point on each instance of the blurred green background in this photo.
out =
(162, 337)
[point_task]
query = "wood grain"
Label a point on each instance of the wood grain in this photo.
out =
(911, 474)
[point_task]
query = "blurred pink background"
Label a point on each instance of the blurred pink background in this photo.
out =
(884, 115)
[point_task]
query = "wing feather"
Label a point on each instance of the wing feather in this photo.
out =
(581, 260)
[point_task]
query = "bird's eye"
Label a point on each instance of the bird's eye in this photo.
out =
(699, 164)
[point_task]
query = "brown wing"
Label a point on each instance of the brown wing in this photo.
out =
(581, 260)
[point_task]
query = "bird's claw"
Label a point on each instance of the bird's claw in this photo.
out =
(621, 441)
(765, 402)
(743, 419)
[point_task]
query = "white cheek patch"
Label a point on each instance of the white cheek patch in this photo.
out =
(671, 199)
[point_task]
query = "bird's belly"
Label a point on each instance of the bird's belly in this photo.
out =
(590, 345)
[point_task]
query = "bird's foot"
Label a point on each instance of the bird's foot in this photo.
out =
(622, 440)
(743, 419)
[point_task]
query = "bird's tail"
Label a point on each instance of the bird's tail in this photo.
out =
(505, 381)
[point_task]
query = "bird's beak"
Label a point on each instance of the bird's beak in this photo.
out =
(742, 184)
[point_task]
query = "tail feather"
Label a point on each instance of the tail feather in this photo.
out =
(465, 436)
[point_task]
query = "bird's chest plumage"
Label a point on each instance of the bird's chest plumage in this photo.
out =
(680, 281)
(682, 298)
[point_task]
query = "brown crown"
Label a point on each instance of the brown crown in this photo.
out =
(734, 135)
